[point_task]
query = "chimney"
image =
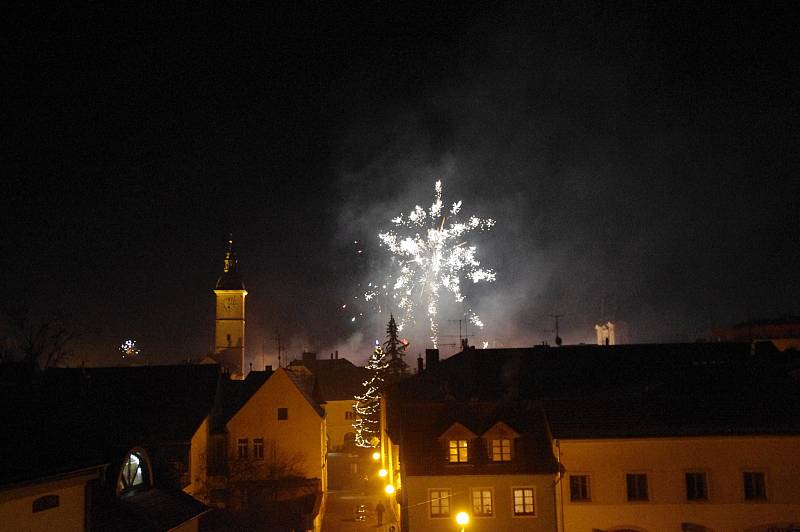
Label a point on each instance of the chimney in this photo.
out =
(268, 368)
(431, 358)
(336, 356)
(331, 356)
(420, 367)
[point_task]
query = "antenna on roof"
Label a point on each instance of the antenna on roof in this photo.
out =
(559, 341)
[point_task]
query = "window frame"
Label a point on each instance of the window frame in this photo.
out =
(439, 499)
(482, 490)
(587, 489)
(764, 497)
(458, 448)
(242, 448)
(258, 448)
(504, 456)
(647, 495)
(514, 513)
(696, 472)
(283, 413)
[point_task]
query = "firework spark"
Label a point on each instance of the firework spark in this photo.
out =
(432, 254)
(128, 348)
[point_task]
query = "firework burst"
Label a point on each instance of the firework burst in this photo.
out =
(129, 349)
(432, 256)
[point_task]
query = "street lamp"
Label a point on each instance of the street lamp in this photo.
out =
(389, 489)
(462, 518)
(376, 456)
(382, 472)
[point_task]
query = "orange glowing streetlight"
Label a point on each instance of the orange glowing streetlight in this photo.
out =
(382, 472)
(376, 456)
(389, 489)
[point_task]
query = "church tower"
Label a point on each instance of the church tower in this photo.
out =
(229, 323)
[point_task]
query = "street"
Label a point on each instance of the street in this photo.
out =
(340, 514)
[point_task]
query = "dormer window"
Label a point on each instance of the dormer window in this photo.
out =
(501, 450)
(458, 451)
(135, 472)
(456, 443)
(499, 441)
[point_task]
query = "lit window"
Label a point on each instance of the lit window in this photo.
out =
(696, 487)
(45, 503)
(283, 414)
(524, 501)
(636, 484)
(134, 472)
(579, 488)
(501, 450)
(755, 488)
(482, 502)
(242, 445)
(258, 448)
(440, 503)
(458, 451)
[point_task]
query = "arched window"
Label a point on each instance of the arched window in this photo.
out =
(135, 472)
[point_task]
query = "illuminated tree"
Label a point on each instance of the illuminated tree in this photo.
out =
(368, 404)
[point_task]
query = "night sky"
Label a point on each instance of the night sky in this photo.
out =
(641, 162)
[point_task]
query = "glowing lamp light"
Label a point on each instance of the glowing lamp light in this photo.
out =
(389, 489)
(382, 473)
(376, 456)
(462, 518)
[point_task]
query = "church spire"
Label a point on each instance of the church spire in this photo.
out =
(230, 257)
(230, 278)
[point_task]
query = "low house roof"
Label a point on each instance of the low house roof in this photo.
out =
(424, 423)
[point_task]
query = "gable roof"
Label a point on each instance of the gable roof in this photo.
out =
(232, 394)
(338, 379)
(423, 424)
(305, 383)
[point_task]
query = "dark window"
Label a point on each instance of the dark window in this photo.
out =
(696, 487)
(349, 415)
(501, 450)
(754, 486)
(579, 488)
(258, 448)
(283, 414)
(637, 486)
(45, 503)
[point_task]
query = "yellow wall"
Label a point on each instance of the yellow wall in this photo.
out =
(419, 519)
(198, 463)
(336, 422)
(16, 506)
(302, 434)
(666, 460)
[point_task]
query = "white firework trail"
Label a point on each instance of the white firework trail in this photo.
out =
(432, 254)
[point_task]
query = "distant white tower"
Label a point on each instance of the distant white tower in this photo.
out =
(605, 334)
